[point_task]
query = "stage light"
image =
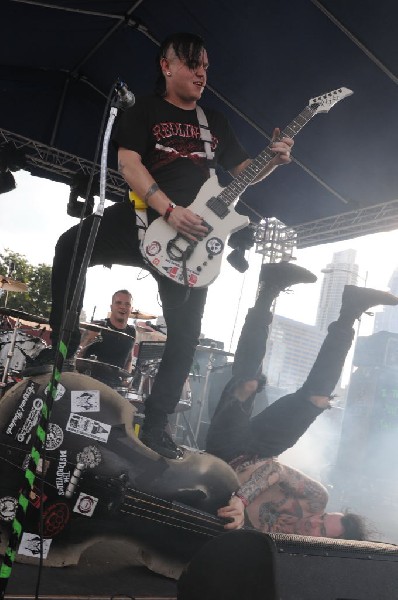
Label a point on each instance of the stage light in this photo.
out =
(11, 159)
(78, 188)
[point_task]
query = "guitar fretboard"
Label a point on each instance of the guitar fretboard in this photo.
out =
(248, 175)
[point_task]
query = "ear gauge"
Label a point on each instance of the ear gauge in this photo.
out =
(168, 73)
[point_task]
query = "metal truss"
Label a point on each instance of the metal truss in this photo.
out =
(274, 239)
(63, 165)
(345, 226)
(349, 225)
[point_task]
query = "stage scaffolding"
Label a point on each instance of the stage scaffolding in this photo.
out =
(274, 239)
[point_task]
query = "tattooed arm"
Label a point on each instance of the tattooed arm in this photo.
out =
(263, 477)
(141, 181)
(299, 485)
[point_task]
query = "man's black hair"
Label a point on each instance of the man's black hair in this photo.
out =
(354, 527)
(187, 46)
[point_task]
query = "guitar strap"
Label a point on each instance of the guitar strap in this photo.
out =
(139, 204)
(205, 136)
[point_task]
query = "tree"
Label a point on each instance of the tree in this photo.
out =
(37, 300)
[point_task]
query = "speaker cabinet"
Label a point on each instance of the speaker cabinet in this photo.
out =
(249, 565)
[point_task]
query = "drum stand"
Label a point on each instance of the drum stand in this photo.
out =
(189, 436)
(202, 400)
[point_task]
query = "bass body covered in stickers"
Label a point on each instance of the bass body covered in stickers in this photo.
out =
(101, 482)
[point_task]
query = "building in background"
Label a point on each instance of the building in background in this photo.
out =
(387, 319)
(342, 271)
(291, 351)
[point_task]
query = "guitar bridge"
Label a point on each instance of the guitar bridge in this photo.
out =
(175, 252)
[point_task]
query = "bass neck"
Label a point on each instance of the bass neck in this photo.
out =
(171, 513)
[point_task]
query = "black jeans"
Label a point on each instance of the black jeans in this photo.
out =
(117, 243)
(233, 433)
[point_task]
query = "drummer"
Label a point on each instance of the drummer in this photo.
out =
(112, 349)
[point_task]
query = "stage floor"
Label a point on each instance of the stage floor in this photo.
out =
(104, 571)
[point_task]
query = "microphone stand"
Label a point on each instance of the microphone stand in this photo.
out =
(71, 313)
(68, 323)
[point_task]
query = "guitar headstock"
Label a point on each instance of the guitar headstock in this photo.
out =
(325, 102)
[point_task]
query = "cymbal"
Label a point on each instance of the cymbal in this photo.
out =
(98, 367)
(12, 285)
(100, 328)
(137, 314)
(18, 314)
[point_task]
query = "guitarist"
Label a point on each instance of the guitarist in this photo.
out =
(163, 159)
(278, 498)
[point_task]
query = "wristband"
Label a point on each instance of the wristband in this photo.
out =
(242, 498)
(169, 210)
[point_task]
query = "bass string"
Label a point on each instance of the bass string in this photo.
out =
(209, 522)
(178, 513)
(178, 523)
(177, 507)
(174, 515)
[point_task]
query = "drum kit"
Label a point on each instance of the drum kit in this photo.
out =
(24, 335)
(21, 335)
(134, 386)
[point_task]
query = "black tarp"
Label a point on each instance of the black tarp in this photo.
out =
(268, 58)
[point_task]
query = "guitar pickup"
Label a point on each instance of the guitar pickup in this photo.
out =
(218, 207)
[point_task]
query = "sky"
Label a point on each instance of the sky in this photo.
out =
(33, 216)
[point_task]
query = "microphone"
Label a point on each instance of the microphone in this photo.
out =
(124, 97)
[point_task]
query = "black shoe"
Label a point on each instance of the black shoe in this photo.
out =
(159, 440)
(359, 299)
(284, 274)
(44, 363)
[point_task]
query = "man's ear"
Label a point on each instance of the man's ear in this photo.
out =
(164, 64)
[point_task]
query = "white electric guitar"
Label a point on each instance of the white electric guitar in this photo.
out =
(197, 264)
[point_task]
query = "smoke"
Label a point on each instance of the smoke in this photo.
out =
(316, 451)
(360, 474)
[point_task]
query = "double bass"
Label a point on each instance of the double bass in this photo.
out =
(97, 481)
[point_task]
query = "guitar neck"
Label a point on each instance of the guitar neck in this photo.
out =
(249, 174)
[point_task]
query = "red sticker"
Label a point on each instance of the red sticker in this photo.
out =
(55, 518)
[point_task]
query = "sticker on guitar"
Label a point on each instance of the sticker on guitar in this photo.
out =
(197, 264)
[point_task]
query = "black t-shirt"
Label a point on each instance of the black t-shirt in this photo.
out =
(114, 349)
(168, 140)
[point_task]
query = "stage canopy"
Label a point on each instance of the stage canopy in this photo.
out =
(267, 59)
